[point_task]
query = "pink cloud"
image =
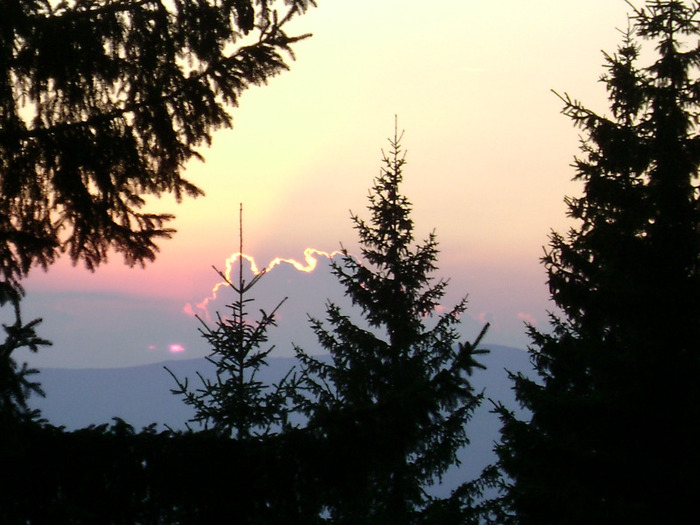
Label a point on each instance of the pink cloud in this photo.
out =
(188, 309)
(439, 309)
(527, 318)
(485, 317)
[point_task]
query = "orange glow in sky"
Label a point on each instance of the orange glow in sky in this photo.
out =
(488, 166)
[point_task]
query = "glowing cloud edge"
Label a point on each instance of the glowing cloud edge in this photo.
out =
(309, 265)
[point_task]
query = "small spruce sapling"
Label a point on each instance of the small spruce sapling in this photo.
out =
(236, 402)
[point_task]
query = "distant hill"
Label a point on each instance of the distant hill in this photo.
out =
(76, 398)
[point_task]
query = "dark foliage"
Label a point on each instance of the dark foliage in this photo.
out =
(102, 102)
(113, 475)
(611, 438)
(395, 398)
(16, 384)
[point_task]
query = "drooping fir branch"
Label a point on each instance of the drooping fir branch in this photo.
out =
(104, 102)
(15, 384)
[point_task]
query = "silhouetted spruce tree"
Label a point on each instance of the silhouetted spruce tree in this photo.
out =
(236, 403)
(613, 434)
(393, 401)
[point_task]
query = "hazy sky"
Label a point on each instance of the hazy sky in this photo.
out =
(488, 167)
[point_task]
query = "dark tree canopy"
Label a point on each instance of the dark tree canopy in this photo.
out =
(102, 102)
(395, 398)
(612, 437)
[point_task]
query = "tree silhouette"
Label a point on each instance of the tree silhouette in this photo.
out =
(236, 403)
(394, 399)
(610, 438)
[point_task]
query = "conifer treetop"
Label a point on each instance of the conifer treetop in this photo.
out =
(396, 385)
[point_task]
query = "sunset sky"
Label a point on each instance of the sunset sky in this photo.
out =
(488, 156)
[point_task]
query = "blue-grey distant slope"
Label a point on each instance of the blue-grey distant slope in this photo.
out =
(76, 398)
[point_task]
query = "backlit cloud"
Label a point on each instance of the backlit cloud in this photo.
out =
(188, 309)
(527, 318)
(486, 317)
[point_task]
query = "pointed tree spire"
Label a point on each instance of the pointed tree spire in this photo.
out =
(394, 400)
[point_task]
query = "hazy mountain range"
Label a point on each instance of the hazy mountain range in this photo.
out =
(76, 398)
